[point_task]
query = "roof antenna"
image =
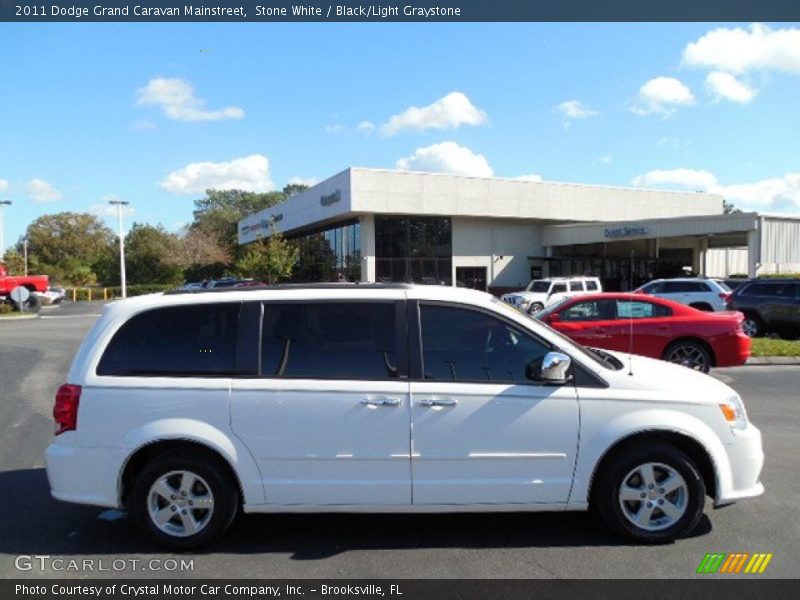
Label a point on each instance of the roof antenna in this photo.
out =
(630, 323)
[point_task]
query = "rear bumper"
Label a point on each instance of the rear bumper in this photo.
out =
(83, 475)
(732, 351)
(746, 459)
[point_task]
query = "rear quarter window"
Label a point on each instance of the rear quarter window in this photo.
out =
(178, 341)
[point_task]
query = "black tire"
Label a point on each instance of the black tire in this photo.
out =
(33, 304)
(211, 477)
(535, 308)
(688, 353)
(753, 326)
(621, 470)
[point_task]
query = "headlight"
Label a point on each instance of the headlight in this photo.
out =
(734, 413)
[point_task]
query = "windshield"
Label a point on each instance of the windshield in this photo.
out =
(538, 286)
(603, 359)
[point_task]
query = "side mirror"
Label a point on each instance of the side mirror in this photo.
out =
(553, 369)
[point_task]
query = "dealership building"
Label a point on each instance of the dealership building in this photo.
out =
(497, 234)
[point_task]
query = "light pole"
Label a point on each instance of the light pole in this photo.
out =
(119, 204)
(3, 204)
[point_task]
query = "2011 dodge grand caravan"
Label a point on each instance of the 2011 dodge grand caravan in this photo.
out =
(186, 408)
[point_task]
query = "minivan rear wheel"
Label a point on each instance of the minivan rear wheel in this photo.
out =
(183, 502)
(652, 494)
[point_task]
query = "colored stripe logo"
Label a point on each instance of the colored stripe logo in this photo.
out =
(734, 563)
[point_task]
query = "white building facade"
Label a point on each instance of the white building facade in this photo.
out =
(497, 234)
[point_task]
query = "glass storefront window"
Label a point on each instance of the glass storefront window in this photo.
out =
(414, 249)
(332, 254)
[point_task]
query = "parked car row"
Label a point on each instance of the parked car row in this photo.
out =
(654, 327)
(769, 306)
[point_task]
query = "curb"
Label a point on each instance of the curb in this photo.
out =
(773, 360)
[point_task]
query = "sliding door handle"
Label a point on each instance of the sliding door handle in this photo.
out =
(437, 402)
(380, 401)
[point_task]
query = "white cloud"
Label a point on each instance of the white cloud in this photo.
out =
(779, 194)
(3, 185)
(334, 128)
(575, 109)
(250, 173)
(366, 127)
(531, 177)
(309, 181)
(724, 86)
(686, 178)
(447, 157)
(104, 209)
(40, 191)
(176, 98)
(606, 159)
(661, 95)
(740, 50)
(449, 112)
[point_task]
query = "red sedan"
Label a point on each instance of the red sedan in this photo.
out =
(652, 327)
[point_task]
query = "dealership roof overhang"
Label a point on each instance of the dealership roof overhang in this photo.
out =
(615, 231)
(358, 191)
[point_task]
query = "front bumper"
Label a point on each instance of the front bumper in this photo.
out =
(746, 459)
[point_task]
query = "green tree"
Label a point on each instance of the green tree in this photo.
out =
(270, 260)
(14, 262)
(200, 254)
(68, 245)
(149, 255)
(219, 212)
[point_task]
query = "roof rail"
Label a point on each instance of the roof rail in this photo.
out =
(293, 286)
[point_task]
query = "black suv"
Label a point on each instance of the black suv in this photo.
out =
(769, 306)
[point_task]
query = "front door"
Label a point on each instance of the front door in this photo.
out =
(482, 433)
(327, 419)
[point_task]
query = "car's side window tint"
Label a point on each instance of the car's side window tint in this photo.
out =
(175, 341)
(591, 310)
(637, 309)
(329, 340)
(559, 288)
(591, 286)
(469, 345)
(575, 286)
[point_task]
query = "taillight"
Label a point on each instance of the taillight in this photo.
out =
(726, 296)
(65, 412)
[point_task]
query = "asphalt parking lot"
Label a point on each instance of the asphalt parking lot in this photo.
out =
(35, 356)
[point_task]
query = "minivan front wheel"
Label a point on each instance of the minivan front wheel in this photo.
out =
(652, 494)
(182, 503)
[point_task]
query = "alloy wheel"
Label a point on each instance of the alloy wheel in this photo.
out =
(180, 503)
(689, 355)
(653, 496)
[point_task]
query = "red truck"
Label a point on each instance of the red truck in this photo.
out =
(33, 283)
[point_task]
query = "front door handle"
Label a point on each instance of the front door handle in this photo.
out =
(380, 401)
(433, 401)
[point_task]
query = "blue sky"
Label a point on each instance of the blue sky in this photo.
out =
(154, 113)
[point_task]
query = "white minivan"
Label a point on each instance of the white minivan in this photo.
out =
(187, 408)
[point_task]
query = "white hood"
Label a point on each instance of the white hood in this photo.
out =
(669, 381)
